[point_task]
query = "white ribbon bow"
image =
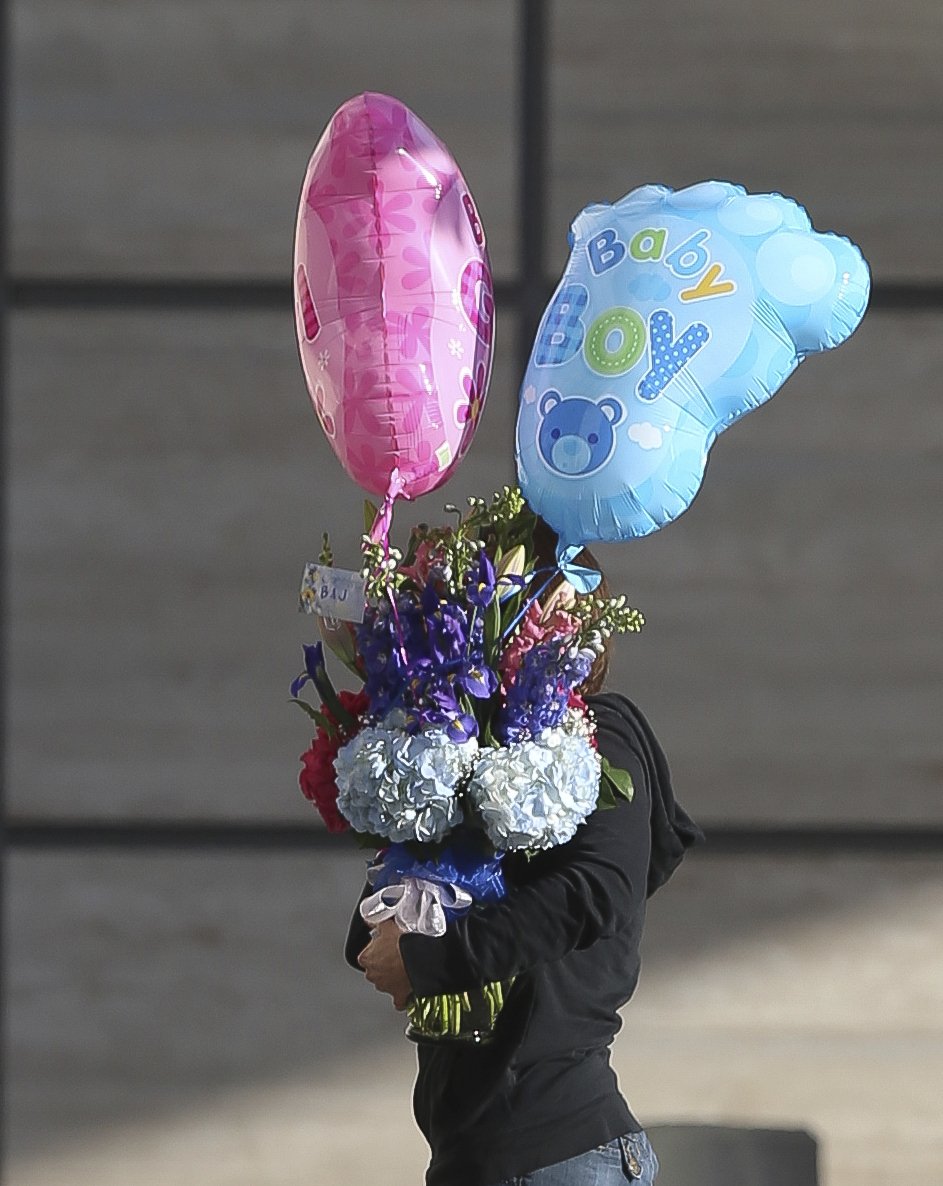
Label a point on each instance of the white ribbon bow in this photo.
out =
(418, 905)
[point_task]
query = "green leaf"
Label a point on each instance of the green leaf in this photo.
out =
(326, 724)
(492, 632)
(370, 512)
(620, 779)
(340, 639)
(318, 718)
(607, 799)
(334, 706)
(330, 699)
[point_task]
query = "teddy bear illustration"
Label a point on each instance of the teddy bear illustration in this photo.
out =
(576, 435)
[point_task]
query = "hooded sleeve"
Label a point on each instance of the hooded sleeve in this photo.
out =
(673, 831)
(574, 894)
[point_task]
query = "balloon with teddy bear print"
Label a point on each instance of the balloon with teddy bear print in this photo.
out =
(677, 313)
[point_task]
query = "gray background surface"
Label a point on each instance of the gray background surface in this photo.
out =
(184, 1017)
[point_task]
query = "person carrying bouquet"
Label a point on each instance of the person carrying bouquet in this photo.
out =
(539, 1102)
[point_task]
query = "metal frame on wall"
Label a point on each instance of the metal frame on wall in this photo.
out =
(527, 296)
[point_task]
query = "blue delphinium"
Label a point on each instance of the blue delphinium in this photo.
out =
(540, 693)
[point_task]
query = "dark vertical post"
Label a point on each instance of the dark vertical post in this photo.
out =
(4, 306)
(532, 183)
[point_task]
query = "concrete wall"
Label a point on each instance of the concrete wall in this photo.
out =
(184, 1018)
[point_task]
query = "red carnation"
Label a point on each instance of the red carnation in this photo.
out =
(317, 779)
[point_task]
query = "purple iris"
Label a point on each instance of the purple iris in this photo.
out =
(478, 680)
(480, 586)
(446, 626)
(314, 664)
(511, 584)
(461, 727)
(426, 659)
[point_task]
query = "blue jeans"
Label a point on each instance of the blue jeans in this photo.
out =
(626, 1159)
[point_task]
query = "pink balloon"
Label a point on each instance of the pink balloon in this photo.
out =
(394, 307)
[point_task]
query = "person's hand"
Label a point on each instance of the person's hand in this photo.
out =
(383, 964)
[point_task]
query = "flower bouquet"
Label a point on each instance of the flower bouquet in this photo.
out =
(469, 738)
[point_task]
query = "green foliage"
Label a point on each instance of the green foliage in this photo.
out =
(381, 570)
(614, 784)
(320, 719)
(602, 617)
(331, 701)
(500, 526)
(326, 555)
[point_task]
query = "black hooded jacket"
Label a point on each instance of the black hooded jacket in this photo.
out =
(569, 932)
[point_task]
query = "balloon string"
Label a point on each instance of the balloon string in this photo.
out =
(397, 626)
(380, 534)
(530, 601)
(380, 531)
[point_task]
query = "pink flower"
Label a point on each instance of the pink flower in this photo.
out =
(414, 406)
(420, 262)
(367, 465)
(414, 328)
(364, 330)
(364, 348)
(391, 208)
(359, 218)
(359, 405)
(475, 390)
(322, 200)
(536, 626)
(370, 320)
(427, 555)
(320, 406)
(467, 411)
(350, 138)
(354, 274)
(559, 624)
(389, 122)
(477, 299)
(430, 203)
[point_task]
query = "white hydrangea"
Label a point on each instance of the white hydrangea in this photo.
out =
(535, 794)
(400, 785)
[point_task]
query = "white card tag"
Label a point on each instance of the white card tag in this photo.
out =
(332, 593)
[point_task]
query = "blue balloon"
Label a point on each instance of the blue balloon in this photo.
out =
(677, 313)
